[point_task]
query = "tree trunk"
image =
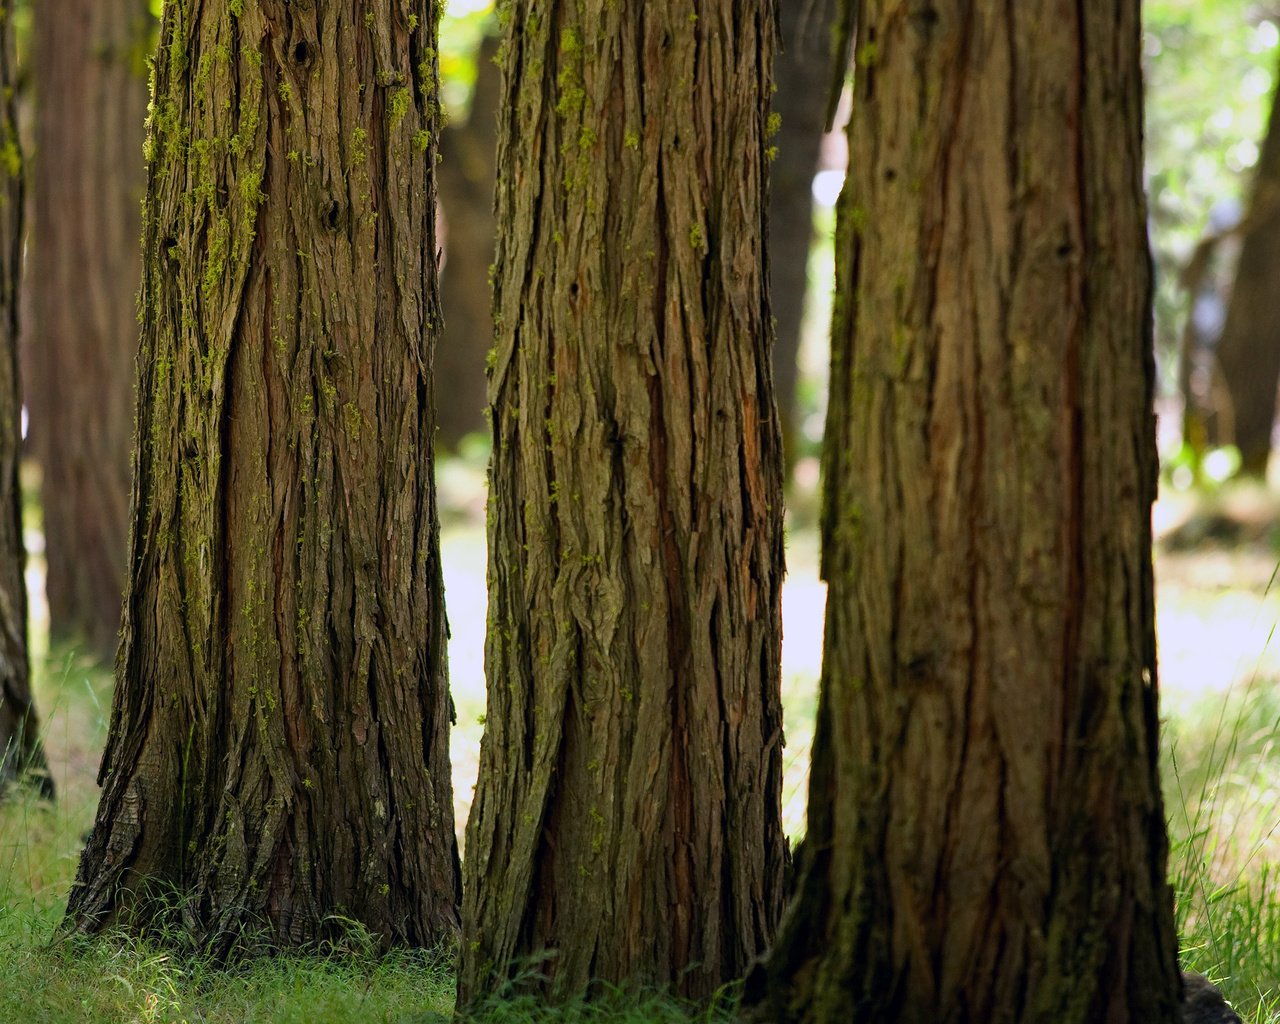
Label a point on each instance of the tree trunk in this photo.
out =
(278, 755)
(986, 836)
(467, 169)
(627, 824)
(20, 751)
(90, 81)
(1249, 352)
(1206, 280)
(803, 70)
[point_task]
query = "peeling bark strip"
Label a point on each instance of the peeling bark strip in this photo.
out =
(20, 750)
(278, 749)
(627, 821)
(986, 837)
(90, 76)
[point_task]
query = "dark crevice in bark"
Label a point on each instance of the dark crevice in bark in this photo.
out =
(296, 690)
(629, 221)
(984, 836)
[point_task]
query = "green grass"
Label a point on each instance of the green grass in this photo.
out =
(119, 978)
(1222, 793)
(1222, 783)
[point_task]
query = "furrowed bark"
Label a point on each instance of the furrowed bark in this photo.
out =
(278, 756)
(627, 825)
(986, 836)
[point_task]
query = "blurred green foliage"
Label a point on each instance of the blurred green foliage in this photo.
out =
(464, 24)
(1210, 71)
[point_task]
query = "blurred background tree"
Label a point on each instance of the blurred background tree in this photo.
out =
(803, 70)
(1210, 73)
(89, 78)
(468, 152)
(20, 741)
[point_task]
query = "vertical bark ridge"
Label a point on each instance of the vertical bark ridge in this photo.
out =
(986, 831)
(278, 755)
(626, 825)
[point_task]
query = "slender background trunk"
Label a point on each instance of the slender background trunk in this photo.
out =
(803, 71)
(469, 159)
(90, 78)
(1249, 351)
(986, 835)
(19, 728)
(627, 824)
(278, 754)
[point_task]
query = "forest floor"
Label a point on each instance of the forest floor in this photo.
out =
(1218, 607)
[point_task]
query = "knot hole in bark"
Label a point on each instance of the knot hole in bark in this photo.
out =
(169, 250)
(332, 216)
(302, 53)
(926, 14)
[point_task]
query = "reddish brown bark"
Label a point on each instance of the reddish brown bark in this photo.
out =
(627, 823)
(278, 755)
(986, 836)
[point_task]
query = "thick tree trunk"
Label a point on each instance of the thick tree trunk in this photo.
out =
(986, 836)
(278, 755)
(1249, 352)
(20, 752)
(467, 169)
(626, 824)
(803, 70)
(91, 94)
